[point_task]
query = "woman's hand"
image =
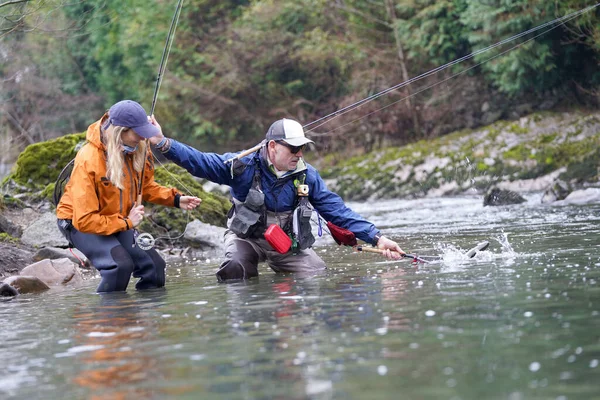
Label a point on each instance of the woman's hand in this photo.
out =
(189, 202)
(155, 139)
(136, 215)
(391, 249)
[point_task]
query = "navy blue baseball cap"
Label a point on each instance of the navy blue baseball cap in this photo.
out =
(130, 114)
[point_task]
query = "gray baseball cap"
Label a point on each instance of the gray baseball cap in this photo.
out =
(289, 131)
(130, 114)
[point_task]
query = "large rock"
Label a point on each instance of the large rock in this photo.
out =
(53, 253)
(44, 233)
(559, 190)
(586, 196)
(13, 258)
(26, 284)
(499, 197)
(55, 272)
(205, 235)
(9, 227)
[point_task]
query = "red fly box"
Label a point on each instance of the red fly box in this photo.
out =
(278, 239)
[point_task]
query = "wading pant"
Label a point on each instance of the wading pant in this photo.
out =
(243, 255)
(117, 257)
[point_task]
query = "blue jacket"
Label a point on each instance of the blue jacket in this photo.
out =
(280, 193)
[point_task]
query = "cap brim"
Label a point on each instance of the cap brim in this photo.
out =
(298, 141)
(146, 131)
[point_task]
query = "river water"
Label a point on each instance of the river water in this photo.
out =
(520, 320)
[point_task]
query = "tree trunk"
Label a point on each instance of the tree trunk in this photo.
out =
(389, 5)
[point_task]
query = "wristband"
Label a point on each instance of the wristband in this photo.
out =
(162, 142)
(376, 239)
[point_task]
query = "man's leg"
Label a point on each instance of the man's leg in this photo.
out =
(241, 259)
(305, 261)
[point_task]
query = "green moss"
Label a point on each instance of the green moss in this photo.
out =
(544, 139)
(517, 129)
(5, 237)
(12, 202)
(213, 209)
(40, 163)
(520, 152)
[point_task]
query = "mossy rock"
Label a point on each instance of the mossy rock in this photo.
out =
(40, 163)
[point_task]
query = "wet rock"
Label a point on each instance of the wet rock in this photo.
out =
(53, 253)
(26, 284)
(14, 257)
(7, 291)
(500, 197)
(558, 191)
(586, 196)
(55, 272)
(205, 235)
(9, 227)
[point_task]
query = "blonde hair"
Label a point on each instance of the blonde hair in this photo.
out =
(114, 156)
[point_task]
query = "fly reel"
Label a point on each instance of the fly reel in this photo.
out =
(145, 241)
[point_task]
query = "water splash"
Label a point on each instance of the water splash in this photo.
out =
(506, 247)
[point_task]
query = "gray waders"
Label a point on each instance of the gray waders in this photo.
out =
(242, 257)
(117, 257)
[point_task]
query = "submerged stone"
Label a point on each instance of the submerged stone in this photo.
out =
(500, 197)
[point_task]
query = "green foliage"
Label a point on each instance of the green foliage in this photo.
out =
(237, 65)
(534, 66)
(432, 30)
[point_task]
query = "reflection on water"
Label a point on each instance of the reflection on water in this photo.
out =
(106, 336)
(518, 321)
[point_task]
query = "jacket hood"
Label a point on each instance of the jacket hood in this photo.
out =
(93, 135)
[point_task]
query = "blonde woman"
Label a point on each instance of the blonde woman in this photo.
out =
(98, 211)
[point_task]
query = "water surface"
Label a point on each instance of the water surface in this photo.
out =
(519, 321)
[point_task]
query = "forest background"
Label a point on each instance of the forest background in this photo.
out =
(236, 66)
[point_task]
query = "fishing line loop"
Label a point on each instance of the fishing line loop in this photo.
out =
(330, 117)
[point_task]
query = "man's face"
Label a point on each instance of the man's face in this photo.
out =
(282, 155)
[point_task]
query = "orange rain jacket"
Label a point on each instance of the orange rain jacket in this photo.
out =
(92, 202)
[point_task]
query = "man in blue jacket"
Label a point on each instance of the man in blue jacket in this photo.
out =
(266, 188)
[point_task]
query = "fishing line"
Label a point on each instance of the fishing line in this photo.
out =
(422, 89)
(558, 21)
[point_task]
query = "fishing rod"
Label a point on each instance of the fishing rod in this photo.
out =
(413, 257)
(145, 240)
(161, 70)
(556, 22)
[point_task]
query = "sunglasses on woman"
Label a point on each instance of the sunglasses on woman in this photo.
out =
(293, 149)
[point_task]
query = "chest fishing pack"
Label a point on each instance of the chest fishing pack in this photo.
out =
(249, 218)
(299, 233)
(301, 228)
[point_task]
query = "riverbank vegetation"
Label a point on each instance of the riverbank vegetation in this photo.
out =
(237, 65)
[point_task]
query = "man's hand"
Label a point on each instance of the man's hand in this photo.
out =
(391, 249)
(155, 139)
(189, 202)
